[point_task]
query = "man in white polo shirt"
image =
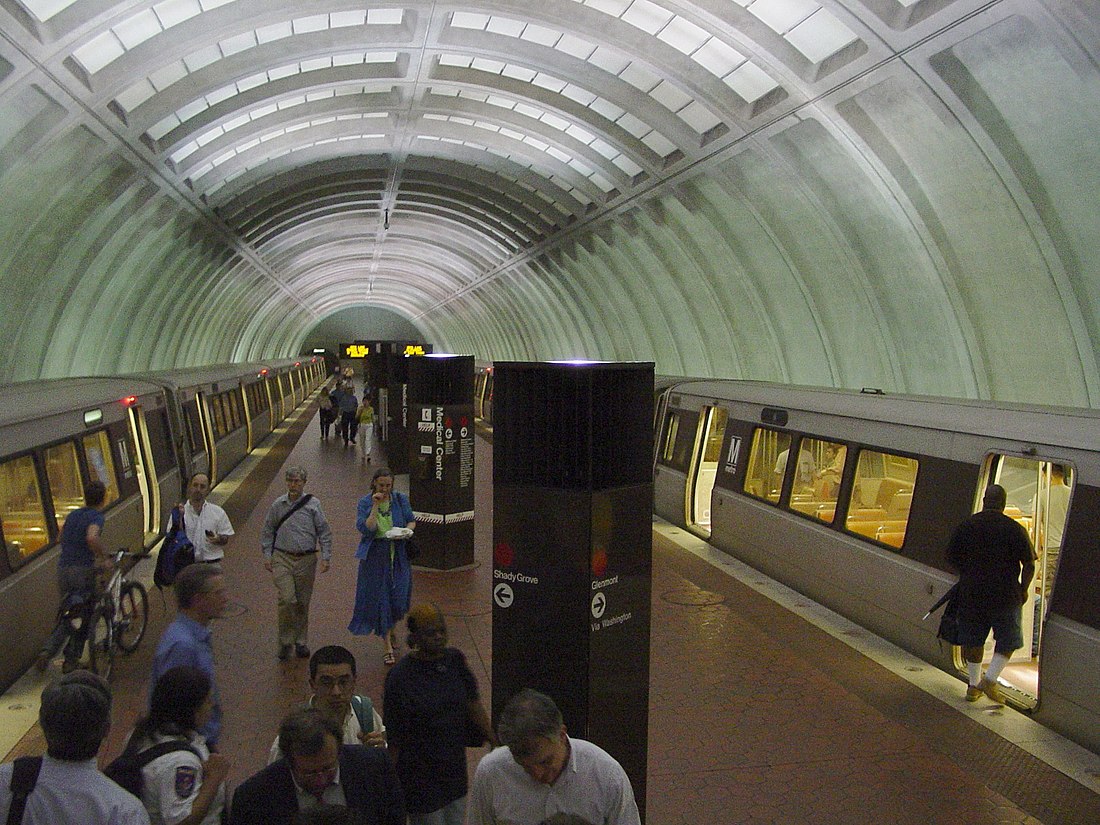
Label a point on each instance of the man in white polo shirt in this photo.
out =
(543, 772)
(206, 524)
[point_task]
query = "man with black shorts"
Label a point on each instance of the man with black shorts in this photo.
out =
(996, 562)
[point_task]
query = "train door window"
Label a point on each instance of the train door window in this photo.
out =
(882, 494)
(101, 464)
(219, 416)
(712, 431)
(22, 517)
(194, 425)
(816, 484)
(767, 464)
(160, 443)
(66, 482)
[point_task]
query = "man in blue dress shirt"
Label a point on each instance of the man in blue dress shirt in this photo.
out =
(201, 596)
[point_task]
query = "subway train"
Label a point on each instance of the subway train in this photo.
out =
(143, 436)
(851, 498)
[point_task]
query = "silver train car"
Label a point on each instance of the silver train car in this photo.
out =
(143, 436)
(851, 498)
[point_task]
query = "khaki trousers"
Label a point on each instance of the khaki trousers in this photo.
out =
(294, 581)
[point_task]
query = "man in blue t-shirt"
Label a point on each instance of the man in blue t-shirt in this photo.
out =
(82, 554)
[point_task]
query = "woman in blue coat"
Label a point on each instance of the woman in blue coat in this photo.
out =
(384, 587)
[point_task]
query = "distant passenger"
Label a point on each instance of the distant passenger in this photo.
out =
(206, 524)
(67, 788)
(314, 770)
(82, 553)
(544, 769)
(326, 412)
(996, 562)
(332, 675)
(201, 597)
(365, 418)
(804, 475)
(383, 588)
(431, 696)
(293, 531)
(349, 407)
(185, 785)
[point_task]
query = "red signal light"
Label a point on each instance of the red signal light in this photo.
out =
(263, 372)
(129, 400)
(297, 363)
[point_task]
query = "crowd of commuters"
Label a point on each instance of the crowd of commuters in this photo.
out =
(336, 758)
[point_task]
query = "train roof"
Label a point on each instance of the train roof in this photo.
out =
(1077, 427)
(32, 400)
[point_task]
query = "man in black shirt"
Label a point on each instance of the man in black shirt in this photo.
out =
(996, 562)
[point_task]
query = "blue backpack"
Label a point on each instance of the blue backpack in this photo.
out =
(176, 552)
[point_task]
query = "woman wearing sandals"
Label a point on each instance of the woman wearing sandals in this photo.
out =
(384, 588)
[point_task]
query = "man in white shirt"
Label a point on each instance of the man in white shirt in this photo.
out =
(543, 772)
(206, 524)
(69, 789)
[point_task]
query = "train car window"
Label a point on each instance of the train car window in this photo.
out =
(101, 464)
(679, 438)
(882, 495)
(767, 464)
(219, 416)
(238, 411)
(66, 482)
(22, 517)
(816, 485)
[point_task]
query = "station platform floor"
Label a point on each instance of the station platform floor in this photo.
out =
(764, 707)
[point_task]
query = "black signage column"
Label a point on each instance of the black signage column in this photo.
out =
(441, 458)
(395, 432)
(572, 547)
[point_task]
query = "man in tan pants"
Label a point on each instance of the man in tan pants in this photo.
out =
(294, 529)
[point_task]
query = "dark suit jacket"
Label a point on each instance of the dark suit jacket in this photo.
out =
(366, 775)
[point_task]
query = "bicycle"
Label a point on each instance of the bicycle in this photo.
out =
(119, 616)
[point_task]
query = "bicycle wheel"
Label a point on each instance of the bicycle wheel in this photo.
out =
(132, 616)
(101, 642)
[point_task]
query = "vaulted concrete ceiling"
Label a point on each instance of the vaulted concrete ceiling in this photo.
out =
(894, 193)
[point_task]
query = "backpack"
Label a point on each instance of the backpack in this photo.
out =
(176, 552)
(126, 769)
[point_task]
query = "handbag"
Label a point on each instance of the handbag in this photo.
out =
(949, 622)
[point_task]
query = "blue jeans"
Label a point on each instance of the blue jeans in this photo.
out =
(450, 814)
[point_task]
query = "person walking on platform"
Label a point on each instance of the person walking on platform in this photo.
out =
(294, 529)
(349, 424)
(65, 787)
(201, 597)
(996, 562)
(430, 696)
(315, 770)
(207, 526)
(82, 553)
(326, 412)
(332, 676)
(543, 771)
(365, 418)
(384, 586)
(184, 785)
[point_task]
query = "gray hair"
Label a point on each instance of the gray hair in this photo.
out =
(75, 715)
(529, 715)
(296, 471)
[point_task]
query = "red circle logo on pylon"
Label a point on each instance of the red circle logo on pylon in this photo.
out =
(599, 562)
(503, 554)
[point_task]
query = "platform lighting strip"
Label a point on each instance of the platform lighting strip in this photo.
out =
(693, 113)
(115, 42)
